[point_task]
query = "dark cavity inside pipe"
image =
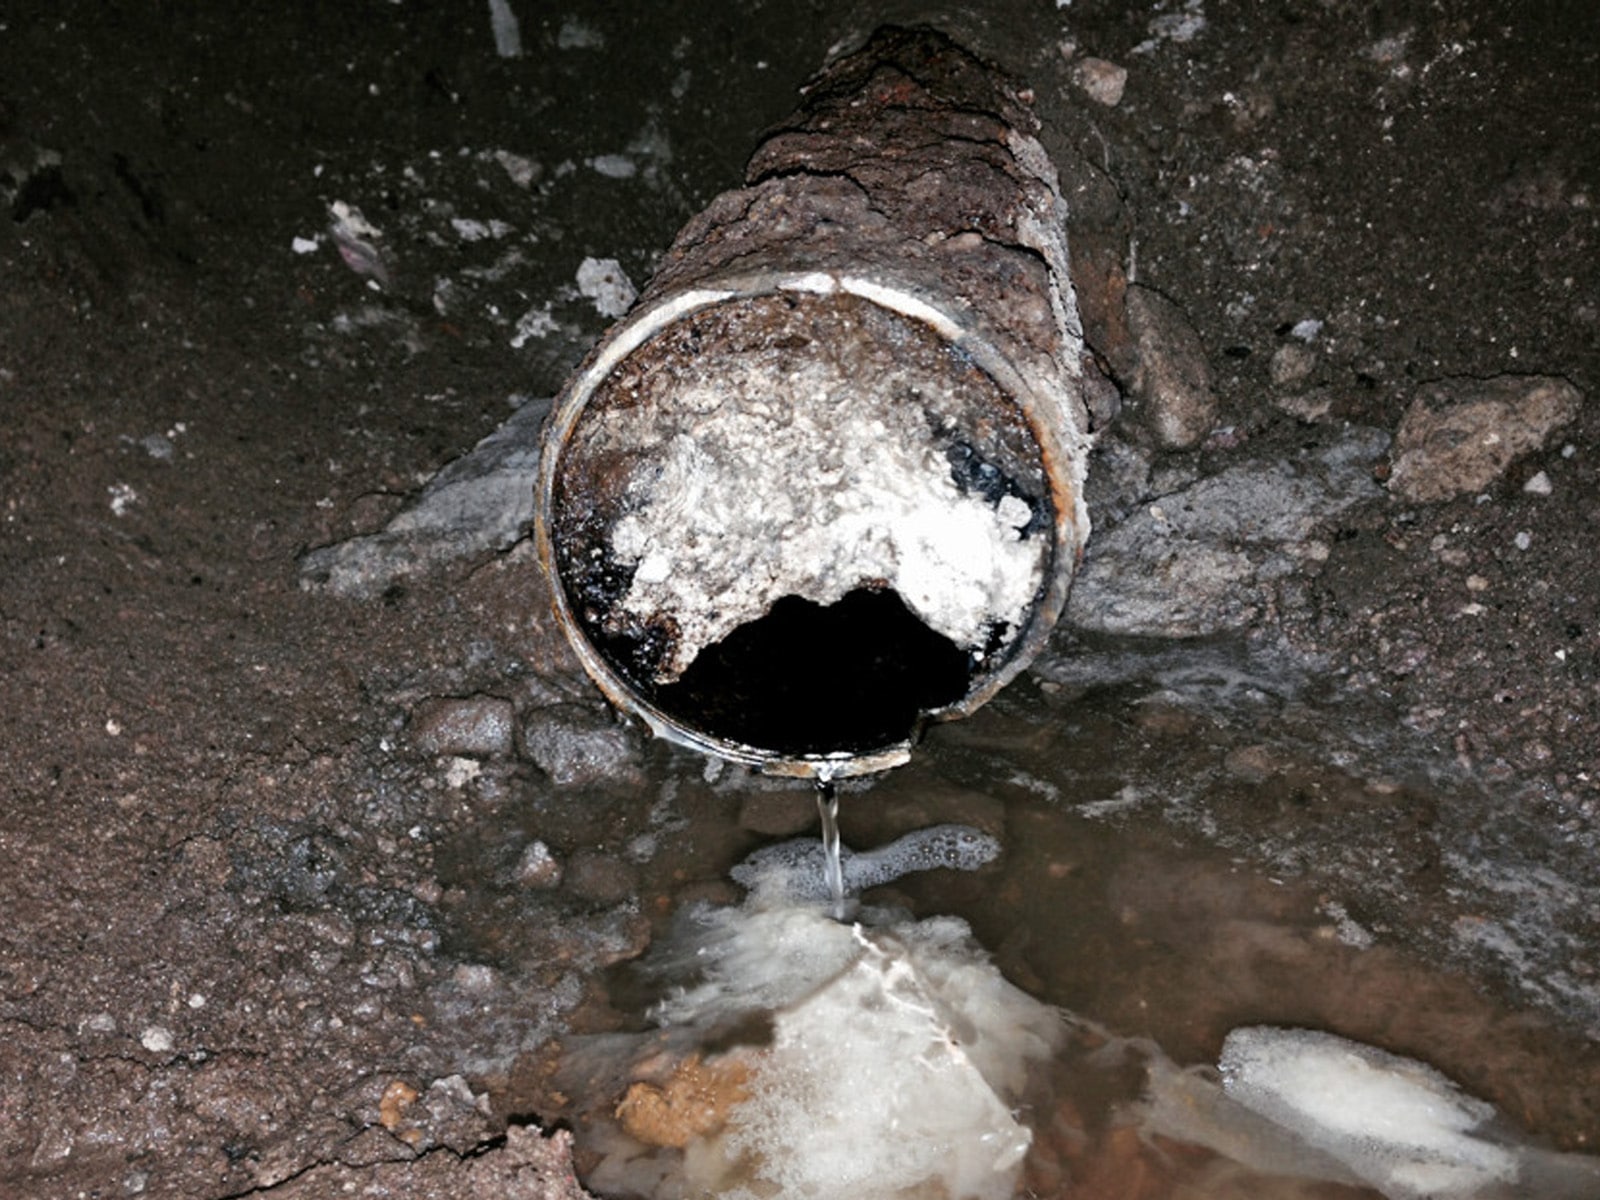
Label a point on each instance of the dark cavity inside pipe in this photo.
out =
(809, 678)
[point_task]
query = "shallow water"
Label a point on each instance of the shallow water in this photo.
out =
(1113, 900)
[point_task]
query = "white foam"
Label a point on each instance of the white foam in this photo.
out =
(1303, 1103)
(897, 1059)
(1398, 1124)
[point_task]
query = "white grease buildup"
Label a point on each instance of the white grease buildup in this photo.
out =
(1311, 1105)
(895, 1063)
(815, 487)
(1397, 1124)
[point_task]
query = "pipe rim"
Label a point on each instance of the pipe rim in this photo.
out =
(1052, 422)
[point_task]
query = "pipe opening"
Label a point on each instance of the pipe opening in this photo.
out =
(796, 523)
(807, 678)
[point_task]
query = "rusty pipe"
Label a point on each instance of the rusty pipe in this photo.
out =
(824, 482)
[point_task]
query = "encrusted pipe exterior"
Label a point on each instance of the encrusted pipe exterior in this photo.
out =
(858, 373)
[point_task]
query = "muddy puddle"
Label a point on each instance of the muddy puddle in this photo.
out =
(1110, 777)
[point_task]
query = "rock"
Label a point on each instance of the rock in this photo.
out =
(1101, 81)
(481, 501)
(1193, 562)
(477, 726)
(575, 745)
(602, 878)
(1459, 435)
(1172, 378)
(1099, 227)
(538, 868)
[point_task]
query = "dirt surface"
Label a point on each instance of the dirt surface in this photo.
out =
(244, 816)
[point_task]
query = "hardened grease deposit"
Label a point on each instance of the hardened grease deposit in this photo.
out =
(1309, 1104)
(896, 1061)
(824, 445)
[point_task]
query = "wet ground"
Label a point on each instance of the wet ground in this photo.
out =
(300, 886)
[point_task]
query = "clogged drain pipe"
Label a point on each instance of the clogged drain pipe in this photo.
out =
(824, 482)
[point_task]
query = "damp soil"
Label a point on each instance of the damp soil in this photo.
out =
(271, 931)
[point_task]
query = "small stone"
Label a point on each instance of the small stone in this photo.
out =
(396, 1098)
(575, 745)
(1172, 379)
(604, 282)
(157, 1039)
(477, 726)
(601, 878)
(1253, 764)
(54, 1146)
(538, 868)
(1459, 435)
(694, 1101)
(1101, 81)
(1292, 364)
(1312, 407)
(1539, 485)
(158, 446)
(461, 771)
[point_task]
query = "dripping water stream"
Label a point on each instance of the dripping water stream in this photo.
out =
(832, 866)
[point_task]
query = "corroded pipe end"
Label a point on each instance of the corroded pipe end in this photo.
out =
(783, 450)
(825, 482)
